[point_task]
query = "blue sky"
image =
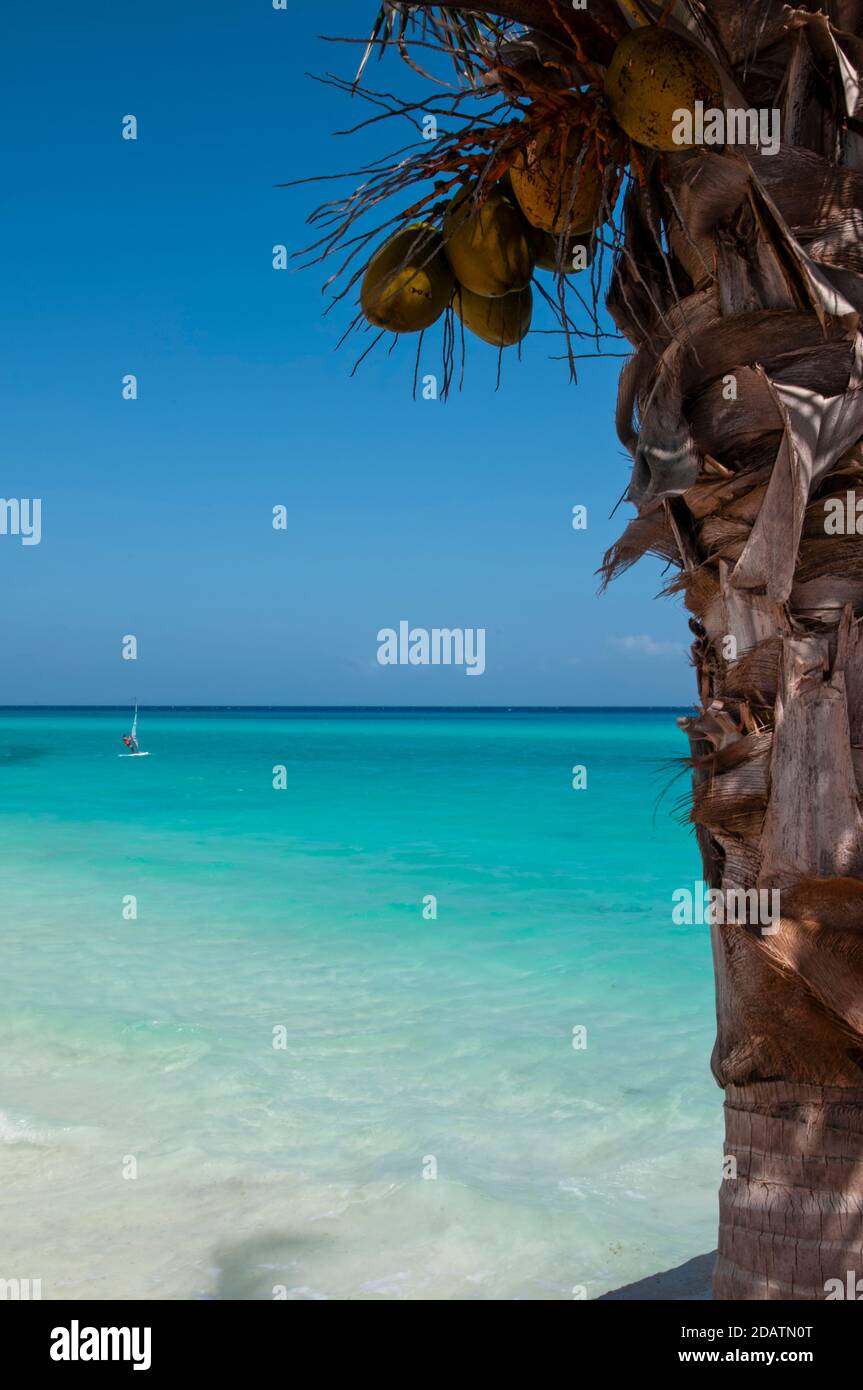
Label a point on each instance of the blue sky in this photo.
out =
(154, 257)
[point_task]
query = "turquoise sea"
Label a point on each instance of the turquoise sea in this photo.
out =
(281, 1078)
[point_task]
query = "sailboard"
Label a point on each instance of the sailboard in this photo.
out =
(134, 737)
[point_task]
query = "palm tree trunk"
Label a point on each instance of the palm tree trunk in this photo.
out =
(741, 290)
(792, 1219)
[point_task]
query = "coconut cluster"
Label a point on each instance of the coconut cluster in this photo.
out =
(482, 262)
(543, 214)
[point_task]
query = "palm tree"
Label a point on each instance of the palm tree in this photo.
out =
(738, 279)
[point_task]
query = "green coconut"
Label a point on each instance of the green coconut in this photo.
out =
(557, 190)
(489, 247)
(576, 255)
(503, 321)
(653, 73)
(408, 282)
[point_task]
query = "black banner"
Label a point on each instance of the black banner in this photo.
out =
(159, 1339)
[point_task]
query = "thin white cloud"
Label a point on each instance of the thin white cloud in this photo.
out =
(641, 644)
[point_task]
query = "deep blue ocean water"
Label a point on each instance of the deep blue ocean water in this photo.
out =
(276, 1070)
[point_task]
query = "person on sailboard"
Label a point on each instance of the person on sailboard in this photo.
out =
(130, 743)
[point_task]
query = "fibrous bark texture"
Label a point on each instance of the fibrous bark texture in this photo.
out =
(790, 1221)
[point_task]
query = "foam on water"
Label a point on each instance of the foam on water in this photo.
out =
(302, 1169)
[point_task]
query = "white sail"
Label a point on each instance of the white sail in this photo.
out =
(131, 740)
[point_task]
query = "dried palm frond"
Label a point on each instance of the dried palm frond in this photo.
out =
(458, 34)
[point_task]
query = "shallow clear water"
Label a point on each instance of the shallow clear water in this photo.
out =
(147, 1045)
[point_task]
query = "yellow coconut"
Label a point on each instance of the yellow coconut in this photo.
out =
(556, 190)
(408, 282)
(577, 252)
(488, 247)
(502, 322)
(653, 74)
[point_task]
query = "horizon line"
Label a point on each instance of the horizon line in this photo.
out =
(376, 709)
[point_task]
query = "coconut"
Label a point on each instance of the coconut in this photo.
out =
(653, 73)
(408, 282)
(547, 250)
(502, 322)
(557, 190)
(489, 247)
